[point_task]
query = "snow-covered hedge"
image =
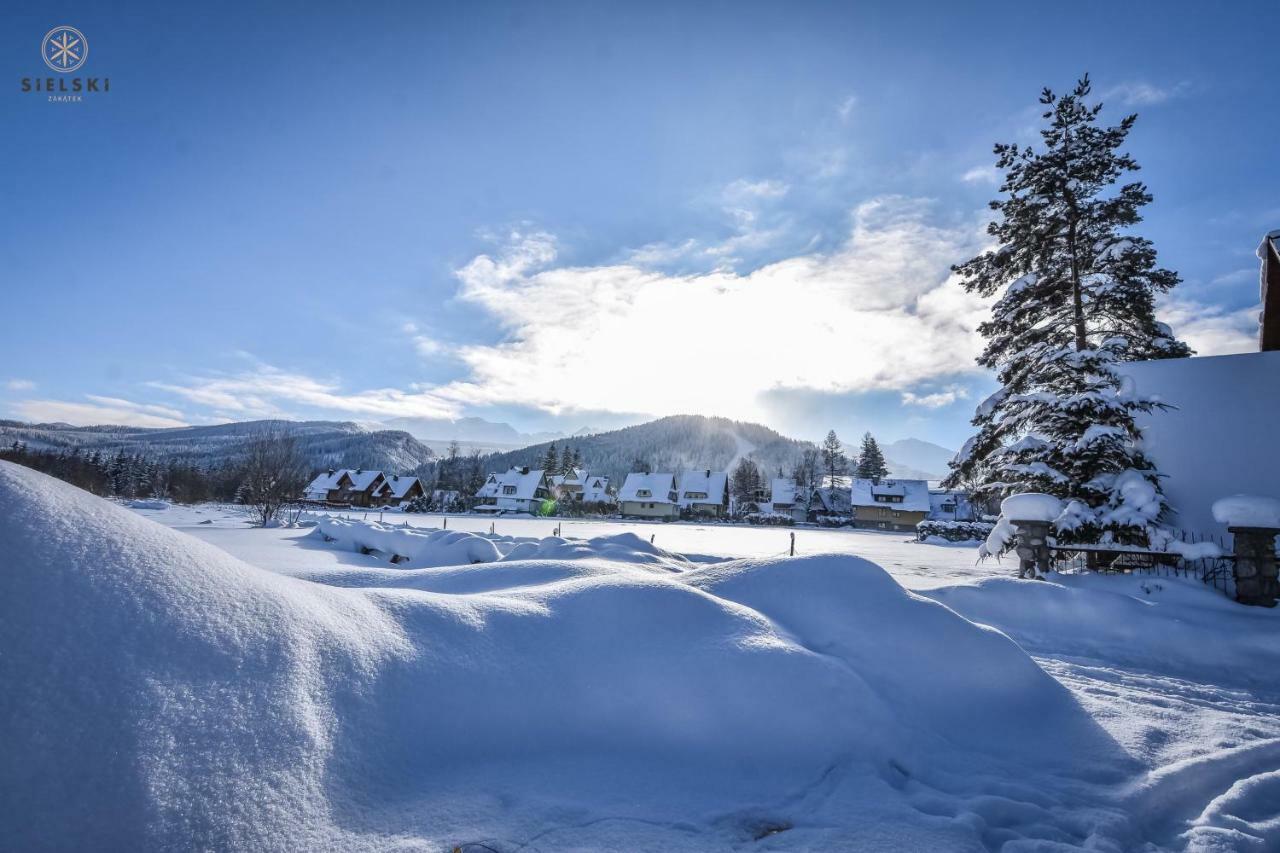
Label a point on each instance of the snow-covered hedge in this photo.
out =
(774, 519)
(954, 531)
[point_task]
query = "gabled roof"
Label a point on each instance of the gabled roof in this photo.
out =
(959, 502)
(400, 486)
(830, 499)
(595, 488)
(914, 493)
(361, 478)
(783, 491)
(713, 484)
(326, 481)
(525, 480)
(659, 486)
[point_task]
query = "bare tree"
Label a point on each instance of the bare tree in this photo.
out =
(273, 474)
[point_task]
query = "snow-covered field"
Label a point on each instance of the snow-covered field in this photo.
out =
(284, 690)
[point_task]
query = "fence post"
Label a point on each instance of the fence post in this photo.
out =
(793, 543)
(1255, 567)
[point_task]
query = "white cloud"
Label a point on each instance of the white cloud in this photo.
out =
(19, 384)
(879, 313)
(845, 109)
(1248, 275)
(936, 400)
(100, 410)
(1211, 330)
(259, 393)
(743, 188)
(1138, 93)
(982, 175)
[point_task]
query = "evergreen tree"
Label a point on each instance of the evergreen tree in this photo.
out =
(744, 483)
(834, 461)
(551, 460)
(1078, 296)
(566, 461)
(577, 458)
(871, 464)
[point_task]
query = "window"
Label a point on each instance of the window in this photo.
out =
(643, 493)
(695, 496)
(508, 490)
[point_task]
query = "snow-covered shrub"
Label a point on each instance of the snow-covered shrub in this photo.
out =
(769, 519)
(421, 503)
(954, 531)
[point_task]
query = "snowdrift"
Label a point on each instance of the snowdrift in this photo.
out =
(159, 694)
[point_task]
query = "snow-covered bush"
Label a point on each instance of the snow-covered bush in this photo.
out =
(769, 519)
(421, 503)
(954, 531)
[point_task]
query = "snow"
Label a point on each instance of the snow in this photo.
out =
(608, 695)
(782, 491)
(1247, 511)
(1031, 506)
(400, 486)
(148, 504)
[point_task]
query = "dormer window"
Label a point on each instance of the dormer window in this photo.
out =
(644, 493)
(695, 496)
(508, 490)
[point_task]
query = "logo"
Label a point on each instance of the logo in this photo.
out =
(64, 49)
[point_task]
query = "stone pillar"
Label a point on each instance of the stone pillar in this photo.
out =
(1034, 560)
(1255, 570)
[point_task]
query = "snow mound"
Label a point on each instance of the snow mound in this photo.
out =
(1031, 507)
(148, 504)
(1247, 511)
(415, 548)
(160, 694)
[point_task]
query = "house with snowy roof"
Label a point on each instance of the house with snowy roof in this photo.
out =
(397, 490)
(649, 496)
(889, 504)
(950, 505)
(346, 487)
(520, 489)
(825, 501)
(704, 493)
(782, 495)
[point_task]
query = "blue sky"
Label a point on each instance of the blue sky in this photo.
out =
(571, 214)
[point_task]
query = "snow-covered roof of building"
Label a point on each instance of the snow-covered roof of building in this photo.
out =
(361, 479)
(658, 486)
(525, 481)
(829, 499)
(595, 488)
(323, 483)
(400, 486)
(907, 495)
(949, 505)
(703, 487)
(783, 491)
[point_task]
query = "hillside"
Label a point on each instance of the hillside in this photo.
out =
(670, 444)
(324, 443)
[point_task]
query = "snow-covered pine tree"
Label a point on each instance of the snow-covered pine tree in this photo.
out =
(834, 461)
(1078, 296)
(566, 461)
(551, 461)
(871, 464)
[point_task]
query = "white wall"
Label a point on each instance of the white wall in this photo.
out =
(1224, 437)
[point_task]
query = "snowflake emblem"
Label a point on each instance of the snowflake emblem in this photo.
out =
(64, 49)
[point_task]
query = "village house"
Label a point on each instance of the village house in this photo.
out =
(831, 502)
(704, 493)
(889, 504)
(782, 496)
(397, 490)
(595, 490)
(950, 505)
(649, 496)
(517, 490)
(346, 487)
